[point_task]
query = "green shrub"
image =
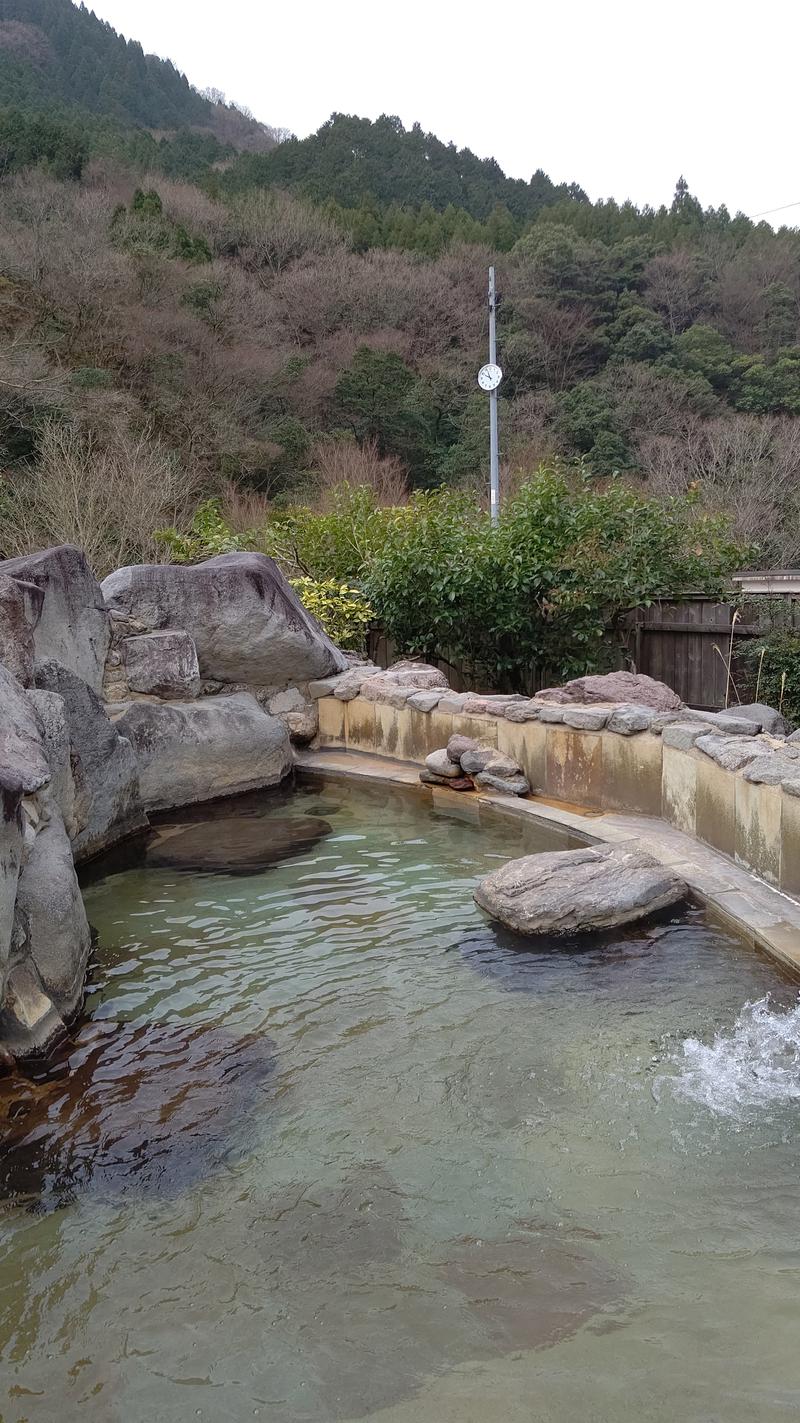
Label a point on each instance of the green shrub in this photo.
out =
(208, 536)
(548, 585)
(773, 663)
(545, 588)
(343, 611)
(338, 544)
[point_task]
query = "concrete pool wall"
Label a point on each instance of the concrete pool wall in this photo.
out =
(756, 826)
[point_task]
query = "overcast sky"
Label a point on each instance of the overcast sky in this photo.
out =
(620, 95)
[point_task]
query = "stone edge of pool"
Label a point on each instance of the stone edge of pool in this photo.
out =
(736, 844)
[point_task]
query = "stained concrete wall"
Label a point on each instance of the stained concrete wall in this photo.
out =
(758, 826)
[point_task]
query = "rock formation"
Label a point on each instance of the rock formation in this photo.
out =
(574, 891)
(205, 672)
(614, 687)
(248, 626)
(195, 751)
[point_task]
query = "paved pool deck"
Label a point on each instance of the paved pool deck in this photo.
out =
(763, 916)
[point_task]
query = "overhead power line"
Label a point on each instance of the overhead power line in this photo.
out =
(769, 211)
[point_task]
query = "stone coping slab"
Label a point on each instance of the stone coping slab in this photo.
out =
(764, 917)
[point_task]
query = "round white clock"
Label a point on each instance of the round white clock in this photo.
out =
(489, 377)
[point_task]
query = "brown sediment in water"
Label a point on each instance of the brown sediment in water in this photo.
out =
(150, 1108)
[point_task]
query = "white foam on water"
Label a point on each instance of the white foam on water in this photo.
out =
(755, 1065)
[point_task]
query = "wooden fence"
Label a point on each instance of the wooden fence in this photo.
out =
(684, 642)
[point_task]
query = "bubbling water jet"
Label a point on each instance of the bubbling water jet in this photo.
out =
(754, 1066)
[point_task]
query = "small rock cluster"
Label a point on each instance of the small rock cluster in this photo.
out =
(465, 763)
(753, 739)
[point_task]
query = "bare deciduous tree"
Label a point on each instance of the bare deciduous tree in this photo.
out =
(107, 500)
(747, 466)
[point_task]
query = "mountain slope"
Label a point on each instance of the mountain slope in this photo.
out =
(351, 159)
(55, 53)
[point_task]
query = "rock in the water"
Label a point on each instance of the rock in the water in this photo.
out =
(235, 845)
(247, 623)
(16, 632)
(766, 717)
(105, 772)
(457, 745)
(575, 891)
(439, 762)
(162, 664)
(628, 721)
(626, 687)
(586, 718)
(145, 1108)
(506, 785)
(73, 625)
(195, 751)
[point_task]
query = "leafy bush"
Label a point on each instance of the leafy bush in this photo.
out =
(549, 584)
(773, 663)
(338, 544)
(208, 536)
(545, 588)
(343, 611)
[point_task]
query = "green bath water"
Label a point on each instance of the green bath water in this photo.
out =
(330, 1146)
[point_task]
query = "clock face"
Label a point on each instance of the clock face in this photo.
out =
(489, 377)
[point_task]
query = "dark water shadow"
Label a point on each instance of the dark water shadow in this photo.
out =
(379, 1318)
(149, 1109)
(237, 835)
(524, 964)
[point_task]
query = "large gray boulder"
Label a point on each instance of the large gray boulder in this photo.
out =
(162, 664)
(629, 687)
(197, 751)
(52, 929)
(72, 623)
(766, 717)
(12, 845)
(54, 730)
(16, 630)
(574, 891)
(106, 805)
(247, 623)
(21, 751)
(44, 936)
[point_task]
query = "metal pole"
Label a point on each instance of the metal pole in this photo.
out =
(494, 458)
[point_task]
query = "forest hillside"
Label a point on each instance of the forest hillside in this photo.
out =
(188, 317)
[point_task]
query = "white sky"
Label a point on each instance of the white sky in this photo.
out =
(620, 95)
